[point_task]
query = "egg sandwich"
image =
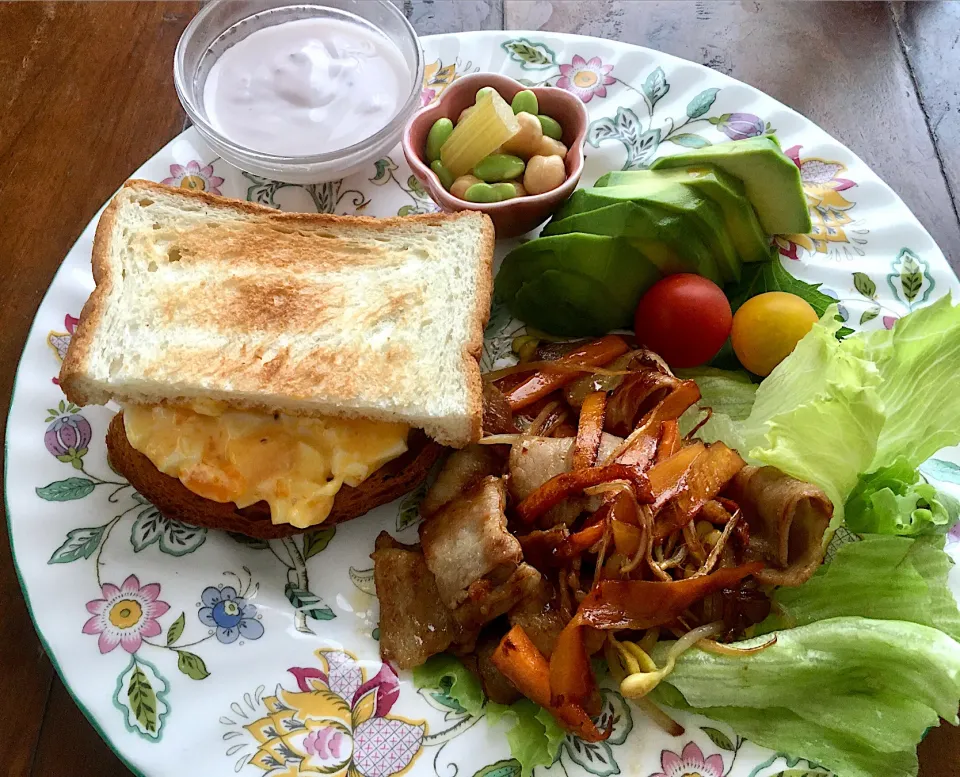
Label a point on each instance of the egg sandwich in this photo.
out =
(278, 371)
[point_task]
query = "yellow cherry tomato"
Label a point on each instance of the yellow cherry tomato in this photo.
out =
(768, 327)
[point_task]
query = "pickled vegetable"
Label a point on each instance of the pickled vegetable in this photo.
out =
(479, 134)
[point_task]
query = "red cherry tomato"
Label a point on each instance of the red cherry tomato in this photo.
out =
(685, 318)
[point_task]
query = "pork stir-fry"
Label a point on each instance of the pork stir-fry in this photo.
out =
(585, 524)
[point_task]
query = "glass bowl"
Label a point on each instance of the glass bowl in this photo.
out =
(222, 23)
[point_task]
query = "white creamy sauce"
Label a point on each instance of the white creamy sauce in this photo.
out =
(305, 87)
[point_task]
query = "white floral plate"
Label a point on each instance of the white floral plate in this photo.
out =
(199, 653)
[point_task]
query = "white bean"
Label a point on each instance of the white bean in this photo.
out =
(526, 142)
(551, 147)
(544, 174)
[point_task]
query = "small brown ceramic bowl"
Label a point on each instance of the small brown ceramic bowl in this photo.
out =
(521, 214)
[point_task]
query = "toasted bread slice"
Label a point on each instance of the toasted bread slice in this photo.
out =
(175, 500)
(201, 298)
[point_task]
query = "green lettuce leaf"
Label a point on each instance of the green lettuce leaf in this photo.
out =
(534, 736)
(918, 361)
(448, 675)
(854, 694)
(817, 415)
(896, 500)
(914, 586)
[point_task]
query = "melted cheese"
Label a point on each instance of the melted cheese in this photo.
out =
(296, 465)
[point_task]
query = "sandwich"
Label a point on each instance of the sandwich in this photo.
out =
(277, 371)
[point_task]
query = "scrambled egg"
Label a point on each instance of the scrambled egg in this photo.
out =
(296, 465)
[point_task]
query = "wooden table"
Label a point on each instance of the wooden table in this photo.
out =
(87, 96)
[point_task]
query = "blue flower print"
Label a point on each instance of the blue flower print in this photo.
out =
(229, 614)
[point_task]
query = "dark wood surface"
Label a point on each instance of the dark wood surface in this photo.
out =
(87, 96)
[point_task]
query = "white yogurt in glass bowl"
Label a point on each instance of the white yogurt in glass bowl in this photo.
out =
(299, 92)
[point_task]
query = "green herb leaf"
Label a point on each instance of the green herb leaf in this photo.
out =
(761, 277)
(191, 665)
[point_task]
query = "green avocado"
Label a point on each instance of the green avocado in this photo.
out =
(663, 237)
(663, 192)
(751, 242)
(575, 284)
(770, 178)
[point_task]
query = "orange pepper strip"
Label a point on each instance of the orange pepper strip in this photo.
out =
(670, 476)
(669, 440)
(590, 430)
(539, 384)
(571, 678)
(705, 478)
(567, 484)
(643, 604)
(522, 664)
(643, 448)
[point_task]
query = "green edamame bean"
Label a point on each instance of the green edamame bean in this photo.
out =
(482, 192)
(525, 101)
(439, 132)
(445, 176)
(551, 127)
(482, 91)
(505, 191)
(499, 167)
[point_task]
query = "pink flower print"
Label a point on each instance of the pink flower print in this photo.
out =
(125, 615)
(889, 321)
(192, 176)
(327, 743)
(690, 763)
(586, 78)
(427, 96)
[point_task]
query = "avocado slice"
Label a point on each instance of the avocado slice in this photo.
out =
(663, 237)
(751, 242)
(663, 191)
(771, 179)
(575, 283)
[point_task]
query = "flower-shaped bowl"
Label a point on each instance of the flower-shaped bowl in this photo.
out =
(521, 214)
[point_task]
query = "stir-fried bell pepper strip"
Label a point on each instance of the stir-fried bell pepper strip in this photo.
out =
(568, 484)
(638, 393)
(582, 541)
(526, 667)
(543, 382)
(571, 678)
(709, 474)
(640, 447)
(643, 604)
(669, 440)
(669, 477)
(625, 524)
(590, 430)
